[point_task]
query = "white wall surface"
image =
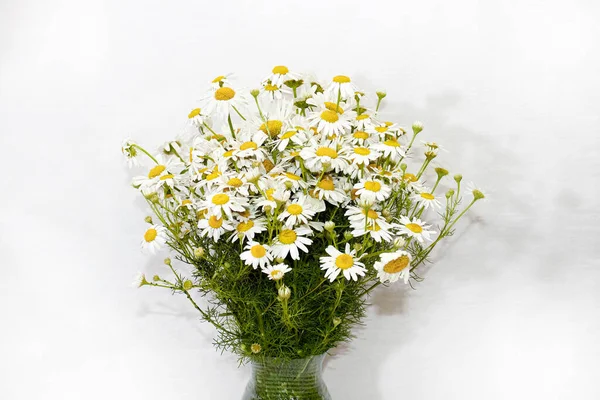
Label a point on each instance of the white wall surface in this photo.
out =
(510, 88)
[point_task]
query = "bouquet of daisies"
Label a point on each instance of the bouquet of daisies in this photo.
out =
(291, 203)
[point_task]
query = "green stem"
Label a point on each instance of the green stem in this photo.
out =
(145, 152)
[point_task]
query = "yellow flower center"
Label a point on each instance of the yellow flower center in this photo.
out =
(258, 251)
(344, 261)
(361, 117)
(248, 145)
(293, 177)
(388, 123)
(287, 236)
(361, 135)
(186, 202)
(326, 152)
(245, 226)
(373, 186)
(294, 209)
(235, 182)
(269, 194)
(213, 175)
(409, 177)
(333, 107)
(397, 265)
(215, 222)
(224, 94)
(167, 176)
(375, 227)
(326, 184)
(295, 153)
(280, 69)
(194, 113)
(156, 171)
(271, 88)
(288, 134)
(220, 199)
(191, 154)
(329, 116)
(228, 153)
(362, 151)
(218, 79)
(150, 235)
(341, 79)
(416, 228)
(381, 129)
(274, 127)
(427, 196)
(371, 214)
(391, 143)
(276, 274)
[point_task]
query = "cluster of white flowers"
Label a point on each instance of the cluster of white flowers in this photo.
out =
(269, 168)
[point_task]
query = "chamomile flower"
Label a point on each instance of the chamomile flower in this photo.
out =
(155, 237)
(363, 122)
(289, 241)
(196, 118)
(426, 199)
(296, 213)
(330, 123)
(415, 228)
(341, 86)
(363, 155)
(251, 146)
(385, 128)
(362, 216)
(361, 138)
(390, 148)
(347, 263)
(291, 180)
(379, 230)
(324, 156)
(274, 92)
(164, 166)
(256, 254)
(220, 103)
(280, 74)
(276, 272)
(130, 152)
(220, 203)
(248, 228)
(392, 266)
(372, 189)
(214, 227)
(221, 80)
(477, 192)
(326, 189)
(294, 136)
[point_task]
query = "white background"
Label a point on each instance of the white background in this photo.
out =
(510, 88)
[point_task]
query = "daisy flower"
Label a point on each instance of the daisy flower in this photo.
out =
(274, 92)
(296, 136)
(415, 228)
(221, 102)
(196, 118)
(384, 128)
(392, 266)
(363, 155)
(130, 152)
(248, 228)
(341, 86)
(214, 226)
(379, 230)
(390, 148)
(345, 262)
(289, 241)
(221, 80)
(256, 254)
(361, 138)
(426, 199)
(220, 203)
(296, 213)
(324, 156)
(154, 238)
(163, 167)
(326, 189)
(363, 122)
(280, 74)
(251, 145)
(362, 216)
(330, 123)
(291, 180)
(276, 272)
(372, 189)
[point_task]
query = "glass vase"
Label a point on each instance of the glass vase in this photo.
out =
(277, 379)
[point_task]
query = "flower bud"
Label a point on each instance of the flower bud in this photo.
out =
(348, 235)
(458, 178)
(288, 184)
(152, 197)
(336, 321)
(478, 195)
(381, 94)
(417, 127)
(449, 193)
(187, 285)
(167, 261)
(226, 264)
(399, 242)
(284, 292)
(403, 167)
(329, 226)
(386, 213)
(199, 252)
(255, 93)
(148, 219)
(279, 260)
(255, 348)
(156, 278)
(357, 246)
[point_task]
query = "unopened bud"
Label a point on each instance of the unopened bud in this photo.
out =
(152, 197)
(348, 235)
(417, 127)
(187, 285)
(255, 348)
(167, 261)
(336, 321)
(199, 252)
(288, 184)
(449, 193)
(357, 246)
(226, 264)
(441, 172)
(284, 293)
(403, 167)
(156, 278)
(399, 242)
(148, 219)
(478, 195)
(386, 213)
(255, 93)
(381, 94)
(458, 178)
(329, 226)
